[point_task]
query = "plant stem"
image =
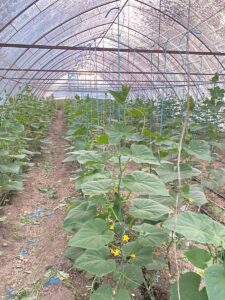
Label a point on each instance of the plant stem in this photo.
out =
(185, 125)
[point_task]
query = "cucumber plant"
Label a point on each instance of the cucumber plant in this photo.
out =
(128, 182)
(24, 122)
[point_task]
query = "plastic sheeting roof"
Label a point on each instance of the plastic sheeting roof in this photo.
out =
(140, 24)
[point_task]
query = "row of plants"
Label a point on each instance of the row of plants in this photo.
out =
(138, 197)
(24, 122)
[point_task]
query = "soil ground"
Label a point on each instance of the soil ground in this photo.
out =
(32, 240)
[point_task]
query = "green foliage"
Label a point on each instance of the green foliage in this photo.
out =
(97, 187)
(146, 209)
(189, 288)
(130, 276)
(199, 149)
(129, 185)
(105, 292)
(121, 96)
(151, 235)
(215, 282)
(92, 235)
(96, 262)
(198, 228)
(215, 78)
(142, 154)
(24, 123)
(198, 257)
(144, 183)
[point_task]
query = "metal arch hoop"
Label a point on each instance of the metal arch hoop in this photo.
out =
(139, 2)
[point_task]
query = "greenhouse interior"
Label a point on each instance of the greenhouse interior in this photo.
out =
(112, 150)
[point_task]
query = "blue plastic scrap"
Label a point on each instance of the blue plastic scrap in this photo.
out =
(10, 293)
(52, 281)
(24, 251)
(36, 214)
(49, 213)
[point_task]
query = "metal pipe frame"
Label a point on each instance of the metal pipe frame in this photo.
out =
(98, 72)
(109, 49)
(102, 25)
(112, 62)
(145, 4)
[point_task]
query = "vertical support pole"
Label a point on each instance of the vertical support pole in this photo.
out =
(119, 77)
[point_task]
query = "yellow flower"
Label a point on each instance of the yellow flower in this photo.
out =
(126, 238)
(116, 190)
(112, 226)
(115, 252)
(133, 255)
(190, 200)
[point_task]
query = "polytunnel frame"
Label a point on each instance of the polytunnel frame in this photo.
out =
(96, 7)
(113, 40)
(54, 28)
(56, 1)
(100, 26)
(108, 80)
(108, 29)
(161, 73)
(71, 70)
(143, 35)
(185, 27)
(114, 63)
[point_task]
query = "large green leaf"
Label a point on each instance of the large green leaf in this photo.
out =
(200, 149)
(10, 168)
(189, 288)
(197, 227)
(4, 153)
(97, 187)
(129, 276)
(121, 96)
(71, 158)
(102, 139)
(118, 132)
(18, 156)
(146, 209)
(215, 180)
(143, 255)
(80, 214)
(137, 112)
(215, 282)
(157, 264)
(7, 137)
(14, 185)
(168, 172)
(73, 253)
(96, 262)
(143, 154)
(93, 157)
(92, 235)
(144, 183)
(197, 195)
(75, 154)
(151, 235)
(89, 177)
(198, 257)
(105, 292)
(165, 200)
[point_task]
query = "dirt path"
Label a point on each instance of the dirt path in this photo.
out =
(31, 239)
